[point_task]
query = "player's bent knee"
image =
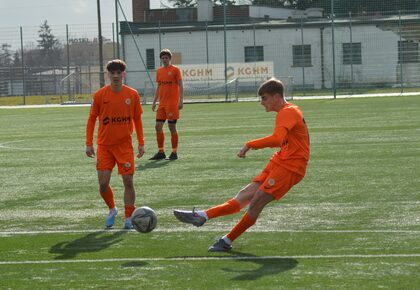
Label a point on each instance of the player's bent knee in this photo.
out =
(103, 187)
(260, 200)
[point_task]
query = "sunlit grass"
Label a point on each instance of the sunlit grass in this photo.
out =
(360, 198)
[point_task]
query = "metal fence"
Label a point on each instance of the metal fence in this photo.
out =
(335, 52)
(329, 54)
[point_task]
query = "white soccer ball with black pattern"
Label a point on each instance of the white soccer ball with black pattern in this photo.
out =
(144, 219)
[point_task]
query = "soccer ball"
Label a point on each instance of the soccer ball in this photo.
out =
(144, 219)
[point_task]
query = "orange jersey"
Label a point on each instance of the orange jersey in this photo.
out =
(117, 113)
(167, 78)
(291, 135)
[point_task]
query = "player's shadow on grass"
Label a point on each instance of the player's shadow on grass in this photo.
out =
(268, 266)
(134, 264)
(153, 164)
(93, 242)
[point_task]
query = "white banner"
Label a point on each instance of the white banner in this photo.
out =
(209, 72)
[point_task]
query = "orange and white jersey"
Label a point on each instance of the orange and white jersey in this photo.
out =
(118, 113)
(167, 78)
(291, 135)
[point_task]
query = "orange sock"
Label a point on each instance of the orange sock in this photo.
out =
(108, 197)
(174, 141)
(229, 207)
(245, 223)
(160, 138)
(128, 210)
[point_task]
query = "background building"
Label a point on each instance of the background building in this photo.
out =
(376, 51)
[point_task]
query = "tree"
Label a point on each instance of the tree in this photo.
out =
(183, 3)
(345, 6)
(295, 4)
(220, 2)
(48, 44)
(193, 3)
(16, 59)
(5, 55)
(357, 6)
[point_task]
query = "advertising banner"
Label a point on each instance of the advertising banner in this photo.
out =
(215, 72)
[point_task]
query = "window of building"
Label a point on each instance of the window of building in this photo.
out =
(352, 53)
(254, 53)
(302, 55)
(408, 51)
(150, 58)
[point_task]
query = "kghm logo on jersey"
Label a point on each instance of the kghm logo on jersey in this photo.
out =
(120, 120)
(105, 121)
(128, 101)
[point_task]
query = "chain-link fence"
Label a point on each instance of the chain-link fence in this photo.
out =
(336, 47)
(64, 63)
(352, 50)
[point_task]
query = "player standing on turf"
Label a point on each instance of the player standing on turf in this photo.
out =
(285, 169)
(169, 92)
(117, 107)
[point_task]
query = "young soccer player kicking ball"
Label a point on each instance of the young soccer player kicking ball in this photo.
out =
(118, 109)
(285, 169)
(169, 93)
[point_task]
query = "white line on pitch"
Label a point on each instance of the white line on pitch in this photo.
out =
(169, 259)
(177, 230)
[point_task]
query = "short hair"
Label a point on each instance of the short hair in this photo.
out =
(165, 51)
(116, 64)
(271, 86)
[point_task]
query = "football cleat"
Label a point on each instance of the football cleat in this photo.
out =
(110, 219)
(220, 246)
(128, 224)
(158, 156)
(190, 217)
(173, 156)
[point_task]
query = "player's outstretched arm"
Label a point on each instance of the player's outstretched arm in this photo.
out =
(243, 151)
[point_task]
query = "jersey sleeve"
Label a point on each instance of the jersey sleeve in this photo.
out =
(93, 115)
(178, 75)
(157, 75)
(138, 124)
(288, 118)
(285, 121)
(274, 140)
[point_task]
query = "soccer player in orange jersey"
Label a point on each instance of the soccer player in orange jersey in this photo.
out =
(117, 108)
(169, 93)
(285, 169)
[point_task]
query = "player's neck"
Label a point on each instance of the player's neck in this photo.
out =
(116, 88)
(282, 104)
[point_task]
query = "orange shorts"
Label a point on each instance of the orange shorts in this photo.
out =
(170, 112)
(276, 180)
(121, 154)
